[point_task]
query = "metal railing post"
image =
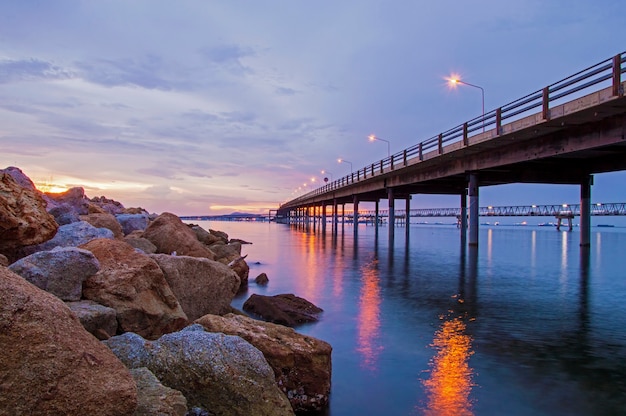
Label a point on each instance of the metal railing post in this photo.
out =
(617, 72)
(545, 111)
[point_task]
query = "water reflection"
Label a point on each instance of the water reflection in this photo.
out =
(450, 383)
(369, 344)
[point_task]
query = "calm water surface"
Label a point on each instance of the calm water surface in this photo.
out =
(527, 324)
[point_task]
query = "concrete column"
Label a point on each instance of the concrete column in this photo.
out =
(473, 209)
(463, 219)
(343, 214)
(335, 216)
(407, 219)
(323, 216)
(355, 217)
(585, 211)
(376, 214)
(407, 208)
(392, 215)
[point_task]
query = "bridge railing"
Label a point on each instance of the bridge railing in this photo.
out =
(608, 71)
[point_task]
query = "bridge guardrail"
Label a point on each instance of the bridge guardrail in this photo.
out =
(609, 69)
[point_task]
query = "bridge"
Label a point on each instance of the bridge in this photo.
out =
(561, 134)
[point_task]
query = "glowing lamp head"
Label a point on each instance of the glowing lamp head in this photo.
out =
(371, 137)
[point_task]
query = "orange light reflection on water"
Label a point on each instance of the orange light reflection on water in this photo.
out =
(308, 283)
(450, 383)
(369, 316)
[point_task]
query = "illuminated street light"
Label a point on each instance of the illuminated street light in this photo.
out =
(373, 138)
(345, 161)
(455, 81)
(323, 172)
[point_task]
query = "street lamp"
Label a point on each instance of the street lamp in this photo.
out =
(345, 161)
(454, 81)
(323, 172)
(373, 138)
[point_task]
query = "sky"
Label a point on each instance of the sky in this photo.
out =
(207, 107)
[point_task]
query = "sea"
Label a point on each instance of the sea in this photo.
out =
(527, 323)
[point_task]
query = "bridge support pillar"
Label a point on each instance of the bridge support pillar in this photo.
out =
(335, 216)
(462, 223)
(392, 215)
(323, 216)
(407, 213)
(355, 215)
(585, 211)
(473, 209)
(376, 217)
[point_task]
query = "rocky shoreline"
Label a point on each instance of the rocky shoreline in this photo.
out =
(107, 310)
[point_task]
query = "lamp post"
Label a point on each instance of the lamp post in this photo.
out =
(373, 137)
(345, 161)
(323, 172)
(455, 81)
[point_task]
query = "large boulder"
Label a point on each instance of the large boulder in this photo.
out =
(133, 284)
(20, 177)
(107, 205)
(133, 222)
(60, 271)
(220, 373)
(170, 235)
(67, 206)
(284, 309)
(226, 252)
(201, 285)
(70, 235)
(301, 364)
(104, 220)
(141, 243)
(203, 235)
(49, 364)
(23, 217)
(99, 320)
(154, 398)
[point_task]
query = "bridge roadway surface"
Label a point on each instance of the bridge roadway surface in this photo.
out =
(561, 134)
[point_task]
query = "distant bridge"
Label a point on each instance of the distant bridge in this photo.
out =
(556, 135)
(598, 209)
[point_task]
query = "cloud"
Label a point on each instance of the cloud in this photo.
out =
(144, 72)
(30, 70)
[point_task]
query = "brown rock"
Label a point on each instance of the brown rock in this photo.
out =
(142, 244)
(226, 252)
(301, 364)
(220, 234)
(203, 235)
(170, 235)
(201, 285)
(133, 284)
(261, 279)
(285, 309)
(104, 204)
(49, 364)
(104, 220)
(23, 217)
(74, 198)
(4, 261)
(99, 320)
(154, 398)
